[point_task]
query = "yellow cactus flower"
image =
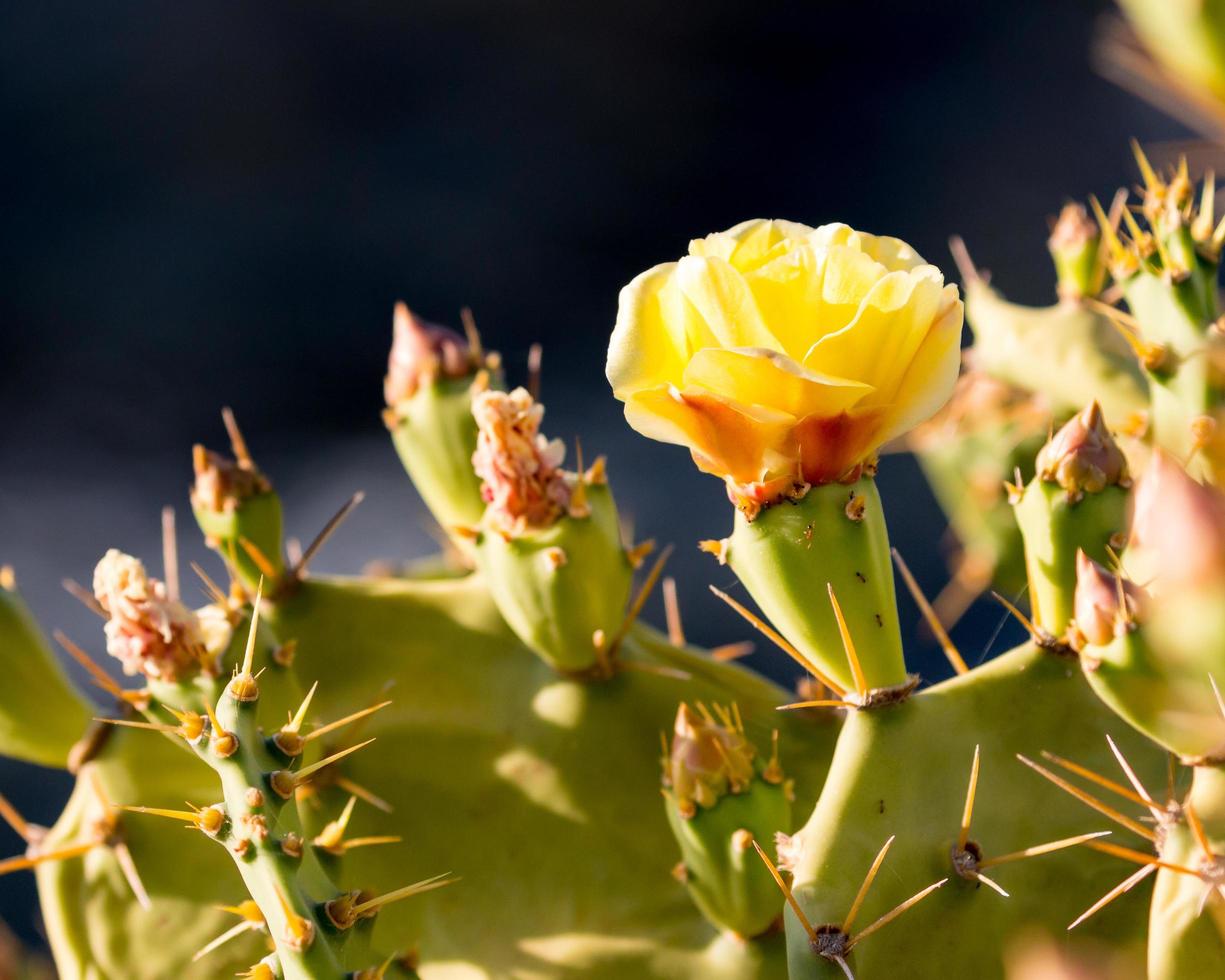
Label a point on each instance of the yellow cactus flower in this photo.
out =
(784, 356)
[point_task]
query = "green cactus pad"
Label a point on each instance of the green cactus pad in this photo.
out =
(791, 552)
(903, 770)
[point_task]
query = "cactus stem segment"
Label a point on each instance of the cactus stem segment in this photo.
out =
(298, 571)
(929, 615)
(779, 641)
(672, 613)
(1089, 800)
(1121, 888)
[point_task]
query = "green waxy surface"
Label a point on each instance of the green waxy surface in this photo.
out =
(726, 878)
(788, 555)
(41, 713)
(903, 770)
(1067, 352)
(1169, 699)
(258, 520)
(1187, 934)
(541, 793)
(1054, 528)
(435, 436)
(557, 586)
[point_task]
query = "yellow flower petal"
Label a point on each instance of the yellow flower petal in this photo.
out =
(756, 376)
(724, 301)
(750, 243)
(649, 344)
(890, 324)
(788, 293)
(932, 372)
(725, 439)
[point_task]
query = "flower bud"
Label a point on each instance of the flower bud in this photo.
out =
(1075, 502)
(239, 512)
(422, 353)
(1082, 457)
(1177, 529)
(1105, 606)
(432, 375)
(549, 543)
(706, 762)
(148, 632)
(1073, 245)
(719, 799)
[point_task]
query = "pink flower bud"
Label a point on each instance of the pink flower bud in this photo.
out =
(1105, 606)
(420, 353)
(1082, 457)
(1177, 527)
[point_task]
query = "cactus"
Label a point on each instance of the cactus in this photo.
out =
(349, 746)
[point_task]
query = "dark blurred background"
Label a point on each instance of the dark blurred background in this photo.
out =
(208, 204)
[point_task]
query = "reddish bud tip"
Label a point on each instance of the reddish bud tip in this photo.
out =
(1082, 457)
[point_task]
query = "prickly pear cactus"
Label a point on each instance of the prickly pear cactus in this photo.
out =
(502, 772)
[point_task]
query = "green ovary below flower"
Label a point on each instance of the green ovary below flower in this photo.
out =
(784, 356)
